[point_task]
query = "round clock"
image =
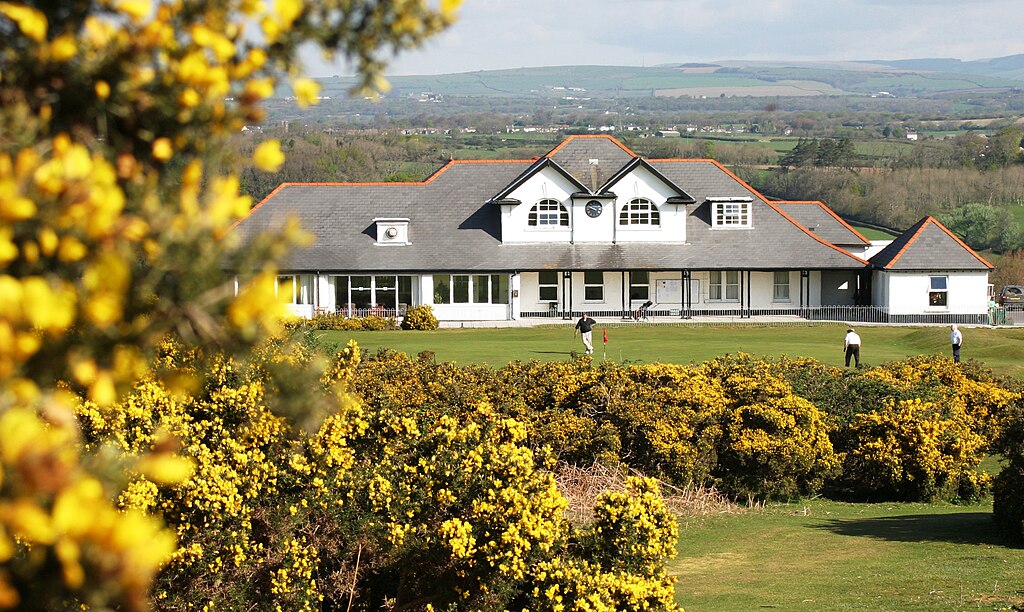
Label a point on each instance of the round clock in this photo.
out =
(594, 209)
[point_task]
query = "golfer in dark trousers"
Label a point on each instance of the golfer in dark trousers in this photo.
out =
(956, 339)
(851, 344)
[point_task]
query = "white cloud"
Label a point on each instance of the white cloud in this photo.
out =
(495, 34)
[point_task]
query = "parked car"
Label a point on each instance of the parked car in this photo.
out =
(1012, 295)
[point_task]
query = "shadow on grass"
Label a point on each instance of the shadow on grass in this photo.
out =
(957, 528)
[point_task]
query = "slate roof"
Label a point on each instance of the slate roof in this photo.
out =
(822, 222)
(928, 245)
(455, 227)
(575, 155)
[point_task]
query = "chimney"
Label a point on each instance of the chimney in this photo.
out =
(594, 175)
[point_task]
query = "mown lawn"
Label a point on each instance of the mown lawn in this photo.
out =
(1001, 349)
(825, 555)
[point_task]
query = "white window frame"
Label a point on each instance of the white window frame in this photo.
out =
(636, 289)
(473, 283)
(589, 285)
(731, 214)
(541, 286)
(938, 294)
(640, 212)
(300, 286)
(780, 286)
(548, 214)
(724, 283)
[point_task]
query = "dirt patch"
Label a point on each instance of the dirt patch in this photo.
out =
(581, 487)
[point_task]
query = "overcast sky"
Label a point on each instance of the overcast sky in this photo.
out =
(496, 34)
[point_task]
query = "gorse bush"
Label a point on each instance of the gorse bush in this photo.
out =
(419, 317)
(338, 321)
(735, 422)
(116, 198)
(375, 505)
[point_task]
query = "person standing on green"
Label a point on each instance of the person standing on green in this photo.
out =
(851, 344)
(956, 339)
(585, 326)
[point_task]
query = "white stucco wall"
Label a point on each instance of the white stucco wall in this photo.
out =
(907, 292)
(666, 291)
(639, 184)
(546, 184)
(549, 184)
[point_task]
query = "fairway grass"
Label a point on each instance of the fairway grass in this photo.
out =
(1001, 349)
(825, 555)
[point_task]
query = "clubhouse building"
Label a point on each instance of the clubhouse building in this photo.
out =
(592, 226)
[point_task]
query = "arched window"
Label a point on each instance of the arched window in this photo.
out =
(640, 211)
(548, 213)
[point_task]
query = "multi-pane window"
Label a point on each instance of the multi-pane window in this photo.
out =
(471, 289)
(295, 288)
(384, 291)
(639, 211)
(460, 288)
(724, 285)
(442, 289)
(548, 213)
(499, 288)
(593, 286)
(780, 286)
(547, 284)
(938, 291)
(731, 214)
(640, 285)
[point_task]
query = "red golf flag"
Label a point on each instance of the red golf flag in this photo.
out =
(606, 335)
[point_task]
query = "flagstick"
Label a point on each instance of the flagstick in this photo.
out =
(605, 344)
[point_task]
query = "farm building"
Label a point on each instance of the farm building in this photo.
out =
(591, 226)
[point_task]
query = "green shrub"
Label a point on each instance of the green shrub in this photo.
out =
(419, 317)
(1008, 487)
(1008, 503)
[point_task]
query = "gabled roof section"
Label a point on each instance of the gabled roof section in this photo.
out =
(822, 222)
(538, 166)
(681, 196)
(591, 158)
(928, 245)
(707, 179)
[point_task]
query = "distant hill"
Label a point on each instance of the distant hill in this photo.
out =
(901, 78)
(1008, 67)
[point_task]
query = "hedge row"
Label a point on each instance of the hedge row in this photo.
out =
(416, 317)
(910, 430)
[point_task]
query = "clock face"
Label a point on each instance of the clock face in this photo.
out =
(594, 209)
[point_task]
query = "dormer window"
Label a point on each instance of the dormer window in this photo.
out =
(548, 213)
(730, 213)
(392, 231)
(640, 211)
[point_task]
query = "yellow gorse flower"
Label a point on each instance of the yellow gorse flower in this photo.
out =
(31, 22)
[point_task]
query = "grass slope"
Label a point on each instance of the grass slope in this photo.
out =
(824, 555)
(1001, 349)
